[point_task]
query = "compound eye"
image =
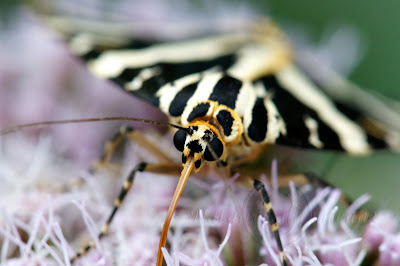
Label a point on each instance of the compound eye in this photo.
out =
(217, 148)
(180, 139)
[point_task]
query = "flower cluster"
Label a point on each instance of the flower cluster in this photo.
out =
(49, 209)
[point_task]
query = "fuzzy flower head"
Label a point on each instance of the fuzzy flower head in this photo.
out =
(315, 233)
(309, 230)
(51, 209)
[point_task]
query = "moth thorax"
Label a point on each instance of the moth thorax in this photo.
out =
(226, 120)
(202, 141)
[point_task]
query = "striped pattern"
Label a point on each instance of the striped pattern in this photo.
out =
(236, 88)
(117, 204)
(277, 105)
(274, 226)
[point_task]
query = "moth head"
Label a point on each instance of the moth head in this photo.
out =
(201, 141)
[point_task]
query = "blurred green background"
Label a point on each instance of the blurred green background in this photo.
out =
(379, 24)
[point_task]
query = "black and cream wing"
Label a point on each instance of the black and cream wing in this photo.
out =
(146, 69)
(312, 119)
(252, 73)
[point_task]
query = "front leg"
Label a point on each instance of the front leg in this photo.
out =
(165, 168)
(127, 132)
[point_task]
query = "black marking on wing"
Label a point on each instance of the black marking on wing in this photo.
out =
(150, 86)
(178, 104)
(92, 54)
(352, 113)
(293, 113)
(257, 129)
(226, 91)
(98, 49)
(169, 73)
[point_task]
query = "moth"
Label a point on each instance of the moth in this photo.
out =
(229, 96)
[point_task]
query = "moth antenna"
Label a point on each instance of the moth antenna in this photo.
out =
(88, 120)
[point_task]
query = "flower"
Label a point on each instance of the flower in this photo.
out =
(49, 208)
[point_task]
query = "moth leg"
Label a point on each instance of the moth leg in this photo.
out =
(127, 132)
(165, 168)
(274, 226)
